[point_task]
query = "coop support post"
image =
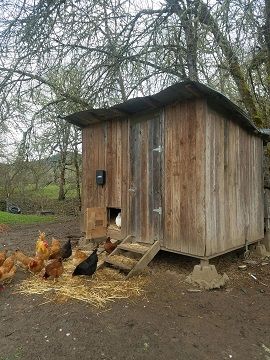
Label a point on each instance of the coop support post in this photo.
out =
(206, 276)
(259, 249)
(204, 262)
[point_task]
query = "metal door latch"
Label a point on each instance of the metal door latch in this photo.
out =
(158, 149)
(158, 210)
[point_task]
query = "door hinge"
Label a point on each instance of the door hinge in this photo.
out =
(158, 149)
(158, 210)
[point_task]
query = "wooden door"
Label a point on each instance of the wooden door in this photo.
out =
(145, 180)
(96, 222)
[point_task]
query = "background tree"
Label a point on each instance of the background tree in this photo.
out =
(62, 56)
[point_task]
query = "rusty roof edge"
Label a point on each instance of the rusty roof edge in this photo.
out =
(183, 90)
(231, 105)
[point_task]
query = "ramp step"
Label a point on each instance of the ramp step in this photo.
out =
(118, 264)
(119, 259)
(134, 247)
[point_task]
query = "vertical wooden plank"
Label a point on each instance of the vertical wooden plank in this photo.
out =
(124, 178)
(133, 148)
(114, 154)
(200, 175)
(185, 178)
(155, 180)
(94, 139)
(208, 186)
(176, 127)
(143, 191)
(169, 155)
(145, 173)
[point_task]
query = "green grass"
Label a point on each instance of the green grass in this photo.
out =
(17, 355)
(51, 192)
(12, 219)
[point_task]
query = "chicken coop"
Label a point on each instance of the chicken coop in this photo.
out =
(183, 168)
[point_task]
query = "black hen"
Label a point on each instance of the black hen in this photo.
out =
(66, 250)
(88, 266)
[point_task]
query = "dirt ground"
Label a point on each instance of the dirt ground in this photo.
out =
(168, 322)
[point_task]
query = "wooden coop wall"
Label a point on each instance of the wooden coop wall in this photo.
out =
(145, 177)
(104, 147)
(234, 185)
(209, 182)
(184, 178)
(213, 184)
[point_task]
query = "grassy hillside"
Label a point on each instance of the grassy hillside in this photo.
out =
(50, 192)
(12, 219)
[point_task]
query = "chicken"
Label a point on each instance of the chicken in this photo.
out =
(110, 246)
(42, 247)
(66, 250)
(6, 275)
(79, 257)
(8, 263)
(3, 256)
(88, 266)
(21, 259)
(118, 220)
(54, 269)
(8, 269)
(55, 249)
(36, 265)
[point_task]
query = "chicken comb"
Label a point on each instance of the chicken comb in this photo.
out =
(42, 236)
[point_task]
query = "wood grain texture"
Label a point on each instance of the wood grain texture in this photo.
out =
(234, 202)
(145, 178)
(208, 180)
(184, 210)
(105, 148)
(96, 222)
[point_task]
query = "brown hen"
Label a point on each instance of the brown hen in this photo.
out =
(3, 256)
(55, 249)
(79, 257)
(110, 246)
(22, 260)
(36, 265)
(54, 269)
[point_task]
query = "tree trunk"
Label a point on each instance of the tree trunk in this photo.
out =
(237, 74)
(267, 39)
(63, 162)
(77, 171)
(62, 194)
(189, 25)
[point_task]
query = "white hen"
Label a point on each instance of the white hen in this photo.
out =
(118, 220)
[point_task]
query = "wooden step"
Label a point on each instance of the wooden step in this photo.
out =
(134, 247)
(117, 264)
(147, 252)
(145, 260)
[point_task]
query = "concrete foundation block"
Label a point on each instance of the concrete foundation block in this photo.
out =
(207, 277)
(260, 250)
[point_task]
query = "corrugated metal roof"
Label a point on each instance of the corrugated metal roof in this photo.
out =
(265, 131)
(177, 92)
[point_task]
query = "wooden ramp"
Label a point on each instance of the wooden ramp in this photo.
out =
(132, 257)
